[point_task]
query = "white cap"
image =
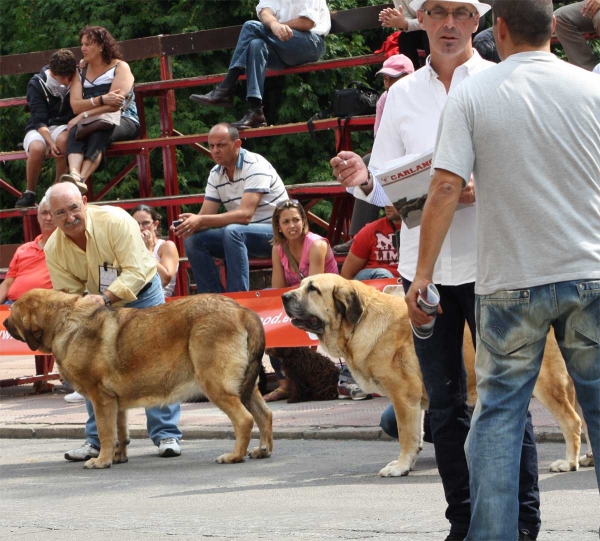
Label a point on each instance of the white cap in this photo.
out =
(482, 9)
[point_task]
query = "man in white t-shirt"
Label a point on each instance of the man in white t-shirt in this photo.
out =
(288, 33)
(538, 238)
(409, 126)
(249, 188)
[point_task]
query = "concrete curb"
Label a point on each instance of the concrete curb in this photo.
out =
(542, 434)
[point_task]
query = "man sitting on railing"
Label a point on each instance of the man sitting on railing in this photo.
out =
(249, 188)
(571, 21)
(290, 33)
(27, 268)
(46, 131)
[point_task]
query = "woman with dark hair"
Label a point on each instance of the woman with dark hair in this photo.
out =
(296, 253)
(164, 251)
(104, 85)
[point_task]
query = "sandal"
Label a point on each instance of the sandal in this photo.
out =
(278, 394)
(75, 179)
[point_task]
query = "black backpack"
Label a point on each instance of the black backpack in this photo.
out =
(354, 100)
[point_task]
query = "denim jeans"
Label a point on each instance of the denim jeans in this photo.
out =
(442, 366)
(258, 49)
(373, 274)
(234, 243)
(512, 328)
(161, 422)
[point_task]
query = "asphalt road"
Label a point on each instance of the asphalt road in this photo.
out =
(309, 490)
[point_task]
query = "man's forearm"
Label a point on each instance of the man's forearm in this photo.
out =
(437, 216)
(226, 218)
(302, 24)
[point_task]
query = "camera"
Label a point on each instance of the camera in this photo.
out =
(177, 223)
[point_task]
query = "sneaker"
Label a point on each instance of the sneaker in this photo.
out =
(27, 199)
(74, 397)
(169, 447)
(351, 390)
(85, 452)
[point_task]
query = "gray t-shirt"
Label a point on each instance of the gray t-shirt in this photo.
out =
(529, 130)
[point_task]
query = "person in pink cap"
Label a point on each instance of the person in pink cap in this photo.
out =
(394, 68)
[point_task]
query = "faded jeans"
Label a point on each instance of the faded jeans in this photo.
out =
(233, 243)
(258, 49)
(161, 422)
(512, 328)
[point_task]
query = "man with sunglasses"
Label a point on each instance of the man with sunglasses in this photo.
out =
(409, 126)
(249, 188)
(99, 249)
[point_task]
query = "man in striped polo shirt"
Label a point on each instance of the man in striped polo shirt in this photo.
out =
(249, 188)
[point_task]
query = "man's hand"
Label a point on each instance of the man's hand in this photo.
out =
(349, 169)
(73, 122)
(393, 18)
(97, 299)
(415, 314)
(467, 194)
(282, 31)
(590, 8)
(191, 224)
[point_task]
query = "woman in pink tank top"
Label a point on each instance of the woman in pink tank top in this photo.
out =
(312, 255)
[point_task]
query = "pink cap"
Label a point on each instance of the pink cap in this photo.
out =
(397, 65)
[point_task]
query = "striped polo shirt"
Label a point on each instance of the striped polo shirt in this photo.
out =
(252, 174)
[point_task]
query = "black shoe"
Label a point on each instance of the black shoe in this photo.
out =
(252, 119)
(216, 97)
(343, 248)
(27, 199)
(456, 537)
(524, 535)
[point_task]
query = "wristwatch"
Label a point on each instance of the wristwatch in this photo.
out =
(369, 179)
(85, 114)
(106, 299)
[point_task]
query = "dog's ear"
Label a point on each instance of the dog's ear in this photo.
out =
(348, 303)
(34, 335)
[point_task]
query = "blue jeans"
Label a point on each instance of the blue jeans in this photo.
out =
(234, 243)
(258, 49)
(442, 366)
(512, 328)
(161, 422)
(373, 274)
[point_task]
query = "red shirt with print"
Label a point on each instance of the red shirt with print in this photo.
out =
(374, 243)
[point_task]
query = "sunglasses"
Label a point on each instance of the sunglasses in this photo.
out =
(288, 203)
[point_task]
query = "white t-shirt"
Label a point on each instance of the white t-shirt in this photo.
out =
(286, 10)
(252, 174)
(529, 130)
(408, 126)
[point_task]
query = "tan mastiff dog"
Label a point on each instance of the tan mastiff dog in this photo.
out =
(121, 358)
(371, 331)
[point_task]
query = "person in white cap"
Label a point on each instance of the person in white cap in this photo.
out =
(394, 68)
(409, 126)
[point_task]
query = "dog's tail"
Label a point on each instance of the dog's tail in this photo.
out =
(256, 350)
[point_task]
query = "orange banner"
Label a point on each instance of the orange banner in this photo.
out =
(266, 303)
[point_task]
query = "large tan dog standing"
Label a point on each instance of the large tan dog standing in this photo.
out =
(123, 358)
(371, 331)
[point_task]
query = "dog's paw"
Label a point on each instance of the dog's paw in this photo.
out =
(563, 466)
(587, 461)
(95, 464)
(230, 458)
(120, 458)
(394, 469)
(260, 452)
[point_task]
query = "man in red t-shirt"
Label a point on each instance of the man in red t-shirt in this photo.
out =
(373, 254)
(27, 268)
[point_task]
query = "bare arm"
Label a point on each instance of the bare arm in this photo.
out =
(352, 266)
(169, 259)
(444, 192)
(316, 257)
(278, 275)
(283, 31)
(4, 288)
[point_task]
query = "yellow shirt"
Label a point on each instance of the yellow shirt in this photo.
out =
(112, 238)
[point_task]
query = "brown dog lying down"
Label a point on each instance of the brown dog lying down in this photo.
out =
(311, 376)
(121, 358)
(372, 332)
